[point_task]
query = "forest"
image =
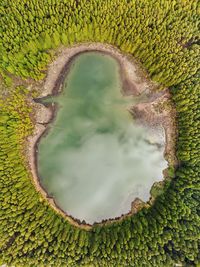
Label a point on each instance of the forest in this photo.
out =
(164, 36)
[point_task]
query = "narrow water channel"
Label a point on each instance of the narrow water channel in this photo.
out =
(95, 160)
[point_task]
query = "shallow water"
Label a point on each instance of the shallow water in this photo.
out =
(95, 160)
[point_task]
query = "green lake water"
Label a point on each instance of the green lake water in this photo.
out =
(95, 160)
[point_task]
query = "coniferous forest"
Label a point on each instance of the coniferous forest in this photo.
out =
(164, 36)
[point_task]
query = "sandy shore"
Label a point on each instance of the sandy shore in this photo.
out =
(135, 81)
(132, 72)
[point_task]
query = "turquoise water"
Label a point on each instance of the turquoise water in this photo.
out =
(95, 160)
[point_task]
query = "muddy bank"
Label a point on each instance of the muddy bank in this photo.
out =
(134, 81)
(158, 110)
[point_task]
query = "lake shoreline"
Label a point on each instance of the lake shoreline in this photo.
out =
(132, 85)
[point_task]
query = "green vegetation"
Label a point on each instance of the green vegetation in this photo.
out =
(163, 35)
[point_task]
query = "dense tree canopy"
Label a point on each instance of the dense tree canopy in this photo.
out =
(164, 36)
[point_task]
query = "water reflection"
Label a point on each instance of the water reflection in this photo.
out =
(95, 160)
